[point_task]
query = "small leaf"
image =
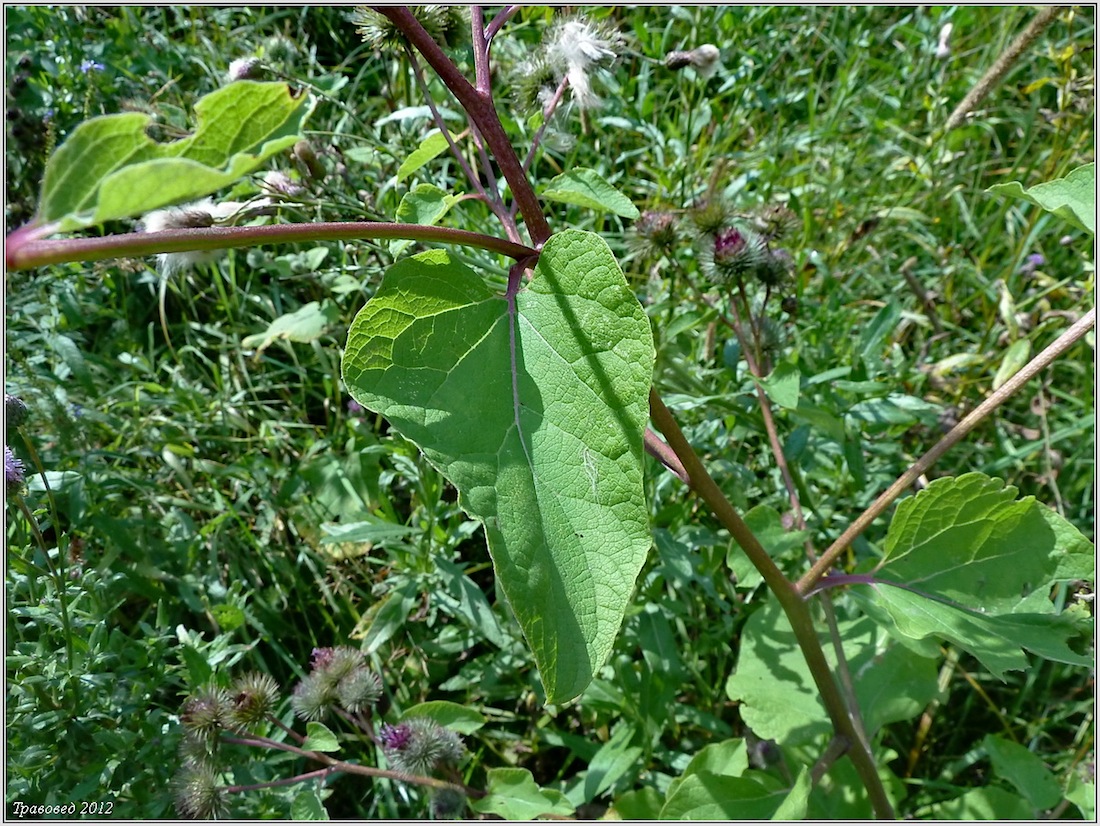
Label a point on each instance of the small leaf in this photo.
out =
(320, 738)
(782, 386)
(987, 803)
(109, 168)
(614, 759)
(305, 324)
(425, 205)
(585, 187)
(730, 757)
(433, 145)
(797, 801)
(1014, 359)
(307, 805)
(514, 795)
(1072, 198)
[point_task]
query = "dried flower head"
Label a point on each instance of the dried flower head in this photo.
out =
(574, 47)
(14, 472)
(204, 213)
(244, 68)
(280, 184)
(447, 25)
(705, 59)
(943, 50)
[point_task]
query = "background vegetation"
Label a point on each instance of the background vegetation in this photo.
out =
(209, 490)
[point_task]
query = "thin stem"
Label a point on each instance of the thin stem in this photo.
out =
(497, 23)
(482, 75)
(1001, 66)
(957, 433)
(482, 111)
(475, 182)
(319, 774)
(792, 603)
(135, 244)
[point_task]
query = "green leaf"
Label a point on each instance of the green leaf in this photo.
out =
(1015, 357)
(894, 683)
(730, 757)
(614, 759)
(320, 738)
(109, 168)
(1023, 769)
(545, 447)
(1072, 198)
(450, 715)
(433, 145)
(307, 805)
(585, 187)
(707, 796)
(987, 803)
(965, 562)
(639, 804)
(425, 205)
(797, 801)
(513, 795)
(967, 540)
(782, 386)
(305, 324)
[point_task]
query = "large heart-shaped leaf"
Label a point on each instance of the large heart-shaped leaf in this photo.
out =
(536, 412)
(109, 168)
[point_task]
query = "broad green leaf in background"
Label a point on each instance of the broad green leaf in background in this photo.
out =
(109, 168)
(514, 795)
(433, 145)
(709, 796)
(966, 562)
(425, 205)
(894, 683)
(585, 187)
(988, 803)
(451, 715)
(1072, 198)
(797, 801)
(615, 758)
(1023, 769)
(305, 324)
(537, 417)
(730, 757)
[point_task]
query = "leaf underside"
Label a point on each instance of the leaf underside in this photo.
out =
(544, 443)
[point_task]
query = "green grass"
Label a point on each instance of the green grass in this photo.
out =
(194, 534)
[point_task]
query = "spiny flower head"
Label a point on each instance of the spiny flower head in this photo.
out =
(206, 712)
(312, 698)
(254, 697)
(446, 25)
(775, 222)
(656, 233)
(15, 411)
(420, 746)
(448, 803)
(197, 793)
(359, 690)
(731, 254)
(14, 472)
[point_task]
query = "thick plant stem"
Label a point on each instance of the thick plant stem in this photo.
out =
(37, 253)
(792, 603)
(958, 432)
(479, 106)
